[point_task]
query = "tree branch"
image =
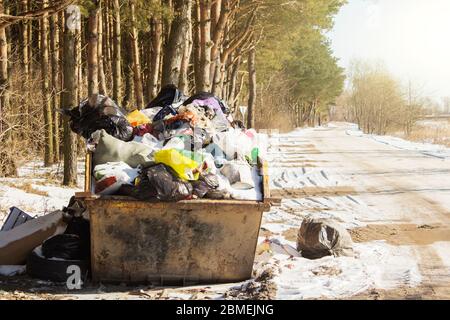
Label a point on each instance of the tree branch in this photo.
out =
(6, 19)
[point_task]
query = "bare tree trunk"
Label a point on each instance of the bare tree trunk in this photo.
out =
(24, 48)
(205, 45)
(147, 63)
(166, 21)
(4, 83)
(227, 75)
(227, 78)
(138, 94)
(107, 47)
(8, 38)
(30, 42)
(184, 73)
(69, 96)
(215, 14)
(46, 103)
(233, 83)
(54, 49)
(93, 50)
(218, 78)
(101, 64)
(25, 61)
(197, 52)
(184, 70)
(312, 118)
(156, 40)
(237, 95)
(223, 13)
(117, 70)
(251, 88)
(128, 74)
(175, 46)
(79, 72)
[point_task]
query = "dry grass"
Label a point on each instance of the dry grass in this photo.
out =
(23, 135)
(46, 178)
(429, 134)
(26, 187)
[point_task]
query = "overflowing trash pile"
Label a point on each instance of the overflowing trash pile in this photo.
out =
(177, 148)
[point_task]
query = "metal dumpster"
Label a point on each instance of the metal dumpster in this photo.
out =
(181, 243)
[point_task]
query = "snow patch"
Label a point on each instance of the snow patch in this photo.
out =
(376, 265)
(427, 149)
(53, 197)
(276, 227)
(442, 249)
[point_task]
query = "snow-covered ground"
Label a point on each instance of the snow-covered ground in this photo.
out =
(428, 149)
(37, 190)
(365, 182)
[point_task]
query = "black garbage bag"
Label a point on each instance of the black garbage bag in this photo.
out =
(63, 246)
(164, 112)
(318, 238)
(168, 95)
(81, 227)
(205, 184)
(143, 191)
(73, 244)
(96, 113)
(168, 186)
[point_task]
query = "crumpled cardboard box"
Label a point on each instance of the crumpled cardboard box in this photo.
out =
(16, 244)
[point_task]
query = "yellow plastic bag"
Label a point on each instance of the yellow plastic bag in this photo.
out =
(185, 167)
(136, 118)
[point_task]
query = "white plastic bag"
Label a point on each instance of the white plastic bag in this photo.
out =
(234, 143)
(151, 112)
(239, 174)
(150, 141)
(174, 143)
(109, 177)
(254, 194)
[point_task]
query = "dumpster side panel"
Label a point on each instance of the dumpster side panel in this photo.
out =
(135, 241)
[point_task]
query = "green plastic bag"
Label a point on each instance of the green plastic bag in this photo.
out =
(196, 156)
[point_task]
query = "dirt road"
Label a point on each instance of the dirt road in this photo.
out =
(406, 195)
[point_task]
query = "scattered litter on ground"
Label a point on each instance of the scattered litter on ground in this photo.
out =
(323, 237)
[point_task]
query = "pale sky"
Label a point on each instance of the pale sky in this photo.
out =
(412, 38)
